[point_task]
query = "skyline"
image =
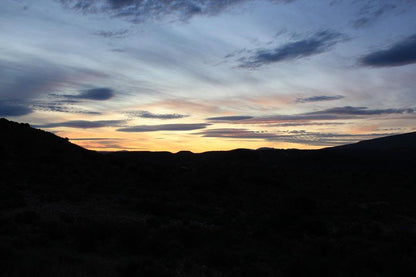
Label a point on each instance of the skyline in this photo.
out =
(209, 75)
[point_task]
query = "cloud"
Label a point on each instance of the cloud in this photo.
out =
(26, 81)
(337, 113)
(319, 98)
(93, 139)
(146, 114)
(13, 109)
(23, 82)
(230, 118)
(62, 107)
(236, 133)
(296, 136)
(24, 86)
(401, 53)
(348, 110)
(99, 94)
(139, 10)
(164, 127)
(372, 10)
(313, 45)
(294, 124)
(112, 34)
(191, 106)
(83, 124)
(369, 11)
(64, 102)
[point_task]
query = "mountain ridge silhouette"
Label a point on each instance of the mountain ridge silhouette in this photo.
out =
(342, 211)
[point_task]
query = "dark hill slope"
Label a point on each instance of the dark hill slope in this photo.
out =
(20, 141)
(399, 143)
(397, 151)
(36, 160)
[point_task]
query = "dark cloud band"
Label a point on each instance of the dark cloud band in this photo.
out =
(13, 109)
(230, 118)
(164, 127)
(319, 98)
(297, 136)
(139, 10)
(316, 44)
(337, 113)
(401, 53)
(95, 94)
(84, 124)
(146, 114)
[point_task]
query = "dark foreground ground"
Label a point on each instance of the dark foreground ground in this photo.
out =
(66, 211)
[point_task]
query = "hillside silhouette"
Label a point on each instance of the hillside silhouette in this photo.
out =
(341, 211)
(19, 139)
(398, 143)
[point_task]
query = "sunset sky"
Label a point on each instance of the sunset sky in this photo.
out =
(205, 75)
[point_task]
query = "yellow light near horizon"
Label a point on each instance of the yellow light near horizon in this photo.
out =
(172, 143)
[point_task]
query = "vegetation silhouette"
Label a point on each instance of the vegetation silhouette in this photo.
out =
(342, 211)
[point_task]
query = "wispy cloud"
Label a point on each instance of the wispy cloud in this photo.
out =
(99, 94)
(337, 113)
(294, 124)
(112, 34)
(401, 53)
(147, 114)
(371, 11)
(317, 43)
(10, 108)
(164, 127)
(319, 98)
(297, 136)
(348, 110)
(230, 118)
(24, 87)
(60, 107)
(93, 139)
(139, 10)
(84, 124)
(240, 133)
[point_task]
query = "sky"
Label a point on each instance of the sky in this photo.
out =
(202, 75)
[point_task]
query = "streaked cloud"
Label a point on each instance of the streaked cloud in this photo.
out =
(296, 136)
(112, 34)
(230, 118)
(348, 110)
(401, 53)
(337, 113)
(84, 124)
(240, 133)
(316, 44)
(295, 124)
(99, 94)
(10, 108)
(92, 139)
(319, 98)
(140, 11)
(61, 108)
(164, 127)
(147, 114)
(370, 11)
